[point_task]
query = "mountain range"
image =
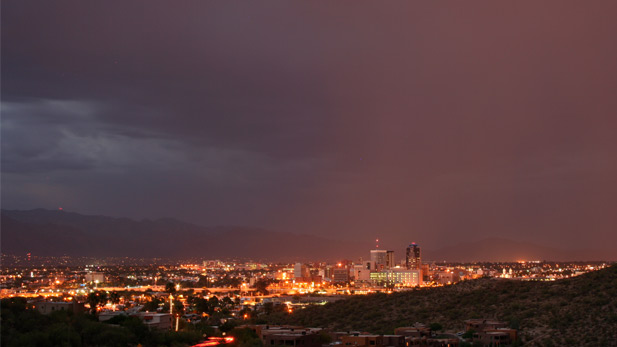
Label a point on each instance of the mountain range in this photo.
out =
(54, 232)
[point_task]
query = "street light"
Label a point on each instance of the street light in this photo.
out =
(171, 306)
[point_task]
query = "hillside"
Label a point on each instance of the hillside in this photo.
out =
(580, 311)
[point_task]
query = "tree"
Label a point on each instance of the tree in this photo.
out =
(228, 325)
(170, 288)
(468, 334)
(114, 297)
(246, 338)
(324, 338)
(261, 286)
(268, 308)
(214, 302)
(152, 305)
(201, 305)
(227, 301)
(436, 327)
(95, 299)
(178, 308)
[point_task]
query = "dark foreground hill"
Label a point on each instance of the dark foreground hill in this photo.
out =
(580, 311)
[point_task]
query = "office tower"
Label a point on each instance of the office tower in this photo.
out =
(390, 260)
(382, 259)
(340, 275)
(378, 257)
(412, 259)
(301, 271)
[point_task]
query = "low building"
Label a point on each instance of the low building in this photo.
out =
(95, 277)
(301, 271)
(338, 335)
(394, 341)
(432, 342)
(445, 277)
(491, 332)
(160, 321)
(340, 275)
(495, 337)
(397, 277)
(299, 338)
(286, 335)
(107, 315)
(362, 340)
(47, 307)
(484, 324)
(362, 272)
(417, 330)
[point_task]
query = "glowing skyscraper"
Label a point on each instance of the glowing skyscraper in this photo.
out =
(412, 259)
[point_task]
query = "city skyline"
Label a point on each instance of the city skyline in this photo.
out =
(446, 124)
(309, 174)
(65, 233)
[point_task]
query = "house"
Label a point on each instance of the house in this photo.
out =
(47, 307)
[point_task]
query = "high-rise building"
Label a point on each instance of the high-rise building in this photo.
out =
(382, 259)
(378, 257)
(412, 259)
(390, 259)
(301, 271)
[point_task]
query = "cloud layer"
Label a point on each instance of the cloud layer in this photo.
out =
(420, 122)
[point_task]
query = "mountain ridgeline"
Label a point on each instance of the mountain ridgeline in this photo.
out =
(54, 233)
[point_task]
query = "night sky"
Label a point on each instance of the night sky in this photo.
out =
(431, 122)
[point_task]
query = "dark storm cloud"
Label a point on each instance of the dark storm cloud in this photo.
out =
(177, 74)
(424, 121)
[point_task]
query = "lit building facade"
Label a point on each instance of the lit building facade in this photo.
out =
(95, 277)
(301, 271)
(382, 259)
(397, 277)
(413, 261)
(340, 275)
